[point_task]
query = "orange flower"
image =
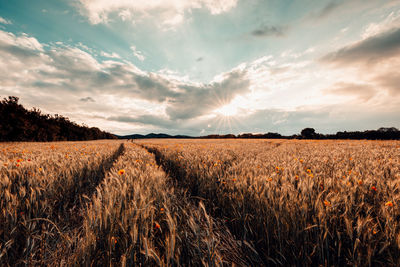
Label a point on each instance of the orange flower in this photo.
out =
(121, 172)
(389, 204)
(360, 182)
(373, 188)
(234, 179)
(157, 226)
(19, 160)
(308, 171)
(17, 164)
(296, 177)
(40, 169)
(327, 203)
(162, 209)
(373, 231)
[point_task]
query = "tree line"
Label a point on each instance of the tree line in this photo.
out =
(383, 133)
(19, 124)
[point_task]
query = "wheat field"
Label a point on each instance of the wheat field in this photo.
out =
(228, 202)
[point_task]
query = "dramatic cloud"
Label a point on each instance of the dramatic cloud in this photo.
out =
(13, 44)
(329, 119)
(392, 21)
(66, 71)
(169, 12)
(197, 100)
(331, 65)
(374, 61)
(363, 91)
(266, 31)
(369, 51)
(390, 81)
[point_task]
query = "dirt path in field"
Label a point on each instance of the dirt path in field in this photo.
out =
(67, 214)
(76, 197)
(236, 251)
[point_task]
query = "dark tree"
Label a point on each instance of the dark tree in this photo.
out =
(20, 124)
(308, 133)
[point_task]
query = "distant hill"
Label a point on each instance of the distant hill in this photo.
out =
(20, 124)
(153, 135)
(383, 133)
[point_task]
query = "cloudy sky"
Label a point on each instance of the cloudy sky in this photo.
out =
(205, 66)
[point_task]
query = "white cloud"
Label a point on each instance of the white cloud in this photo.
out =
(4, 21)
(168, 12)
(375, 28)
(110, 55)
(137, 53)
(23, 41)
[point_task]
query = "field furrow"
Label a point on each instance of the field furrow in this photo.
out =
(295, 201)
(136, 217)
(40, 194)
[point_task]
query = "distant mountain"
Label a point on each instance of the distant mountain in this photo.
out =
(154, 135)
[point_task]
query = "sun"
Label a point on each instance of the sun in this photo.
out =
(227, 110)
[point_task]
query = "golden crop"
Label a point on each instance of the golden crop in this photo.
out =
(308, 202)
(200, 202)
(39, 185)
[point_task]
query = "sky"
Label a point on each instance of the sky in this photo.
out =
(200, 67)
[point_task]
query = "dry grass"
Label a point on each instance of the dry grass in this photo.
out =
(136, 217)
(298, 202)
(41, 184)
(200, 202)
